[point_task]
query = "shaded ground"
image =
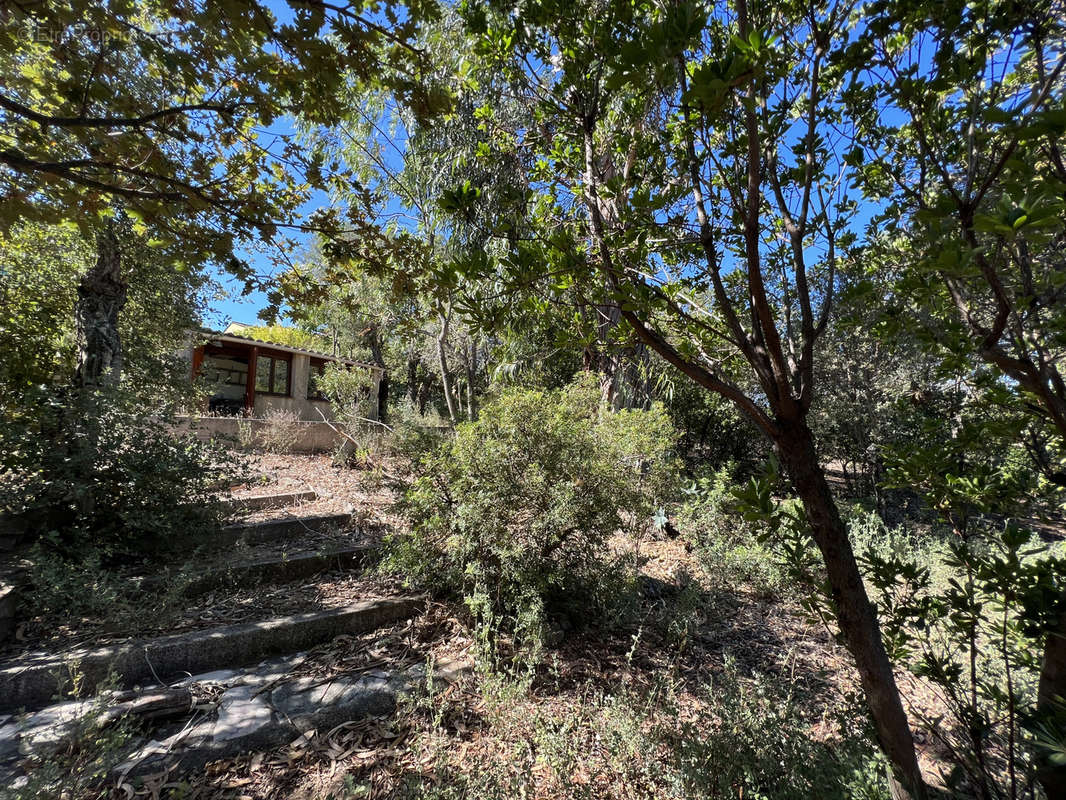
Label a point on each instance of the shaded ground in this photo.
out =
(603, 717)
(139, 609)
(684, 639)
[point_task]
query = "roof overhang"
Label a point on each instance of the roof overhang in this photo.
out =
(215, 338)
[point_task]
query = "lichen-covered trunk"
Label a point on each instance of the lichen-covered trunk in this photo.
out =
(855, 612)
(101, 296)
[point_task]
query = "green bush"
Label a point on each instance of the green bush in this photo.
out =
(515, 512)
(968, 615)
(754, 741)
(727, 547)
(101, 473)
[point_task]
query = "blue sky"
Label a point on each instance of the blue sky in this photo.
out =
(235, 305)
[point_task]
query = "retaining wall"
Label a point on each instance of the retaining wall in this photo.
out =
(301, 437)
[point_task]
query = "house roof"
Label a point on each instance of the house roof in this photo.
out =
(236, 338)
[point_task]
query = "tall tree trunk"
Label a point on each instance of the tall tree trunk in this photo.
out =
(383, 396)
(442, 356)
(101, 296)
(855, 612)
(377, 354)
(471, 375)
(412, 380)
(790, 433)
(1052, 690)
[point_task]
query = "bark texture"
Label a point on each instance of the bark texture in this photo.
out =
(1052, 688)
(855, 613)
(101, 297)
(445, 376)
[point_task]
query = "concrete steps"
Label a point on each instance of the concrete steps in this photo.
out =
(278, 569)
(267, 706)
(261, 695)
(33, 681)
(273, 530)
(265, 501)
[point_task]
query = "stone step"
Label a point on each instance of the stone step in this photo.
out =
(233, 481)
(31, 681)
(277, 569)
(273, 530)
(251, 718)
(262, 501)
(261, 708)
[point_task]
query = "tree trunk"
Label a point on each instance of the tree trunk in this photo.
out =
(471, 375)
(443, 358)
(383, 396)
(423, 396)
(855, 612)
(378, 356)
(1052, 688)
(101, 296)
(412, 381)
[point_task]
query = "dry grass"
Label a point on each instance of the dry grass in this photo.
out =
(701, 684)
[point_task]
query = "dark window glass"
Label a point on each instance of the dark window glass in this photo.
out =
(281, 377)
(272, 375)
(263, 367)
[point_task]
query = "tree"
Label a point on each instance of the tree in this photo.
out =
(44, 266)
(161, 110)
(684, 172)
(961, 124)
(101, 297)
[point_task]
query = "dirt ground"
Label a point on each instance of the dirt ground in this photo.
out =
(340, 490)
(157, 611)
(686, 643)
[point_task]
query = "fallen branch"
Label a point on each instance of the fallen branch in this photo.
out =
(357, 444)
(162, 704)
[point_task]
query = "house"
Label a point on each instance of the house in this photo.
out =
(252, 377)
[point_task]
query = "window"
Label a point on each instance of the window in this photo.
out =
(314, 385)
(272, 375)
(225, 371)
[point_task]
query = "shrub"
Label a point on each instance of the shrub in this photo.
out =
(742, 736)
(280, 431)
(83, 760)
(515, 512)
(727, 547)
(101, 473)
(754, 741)
(968, 616)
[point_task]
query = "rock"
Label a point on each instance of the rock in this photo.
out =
(241, 715)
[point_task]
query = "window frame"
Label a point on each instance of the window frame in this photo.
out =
(272, 380)
(316, 366)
